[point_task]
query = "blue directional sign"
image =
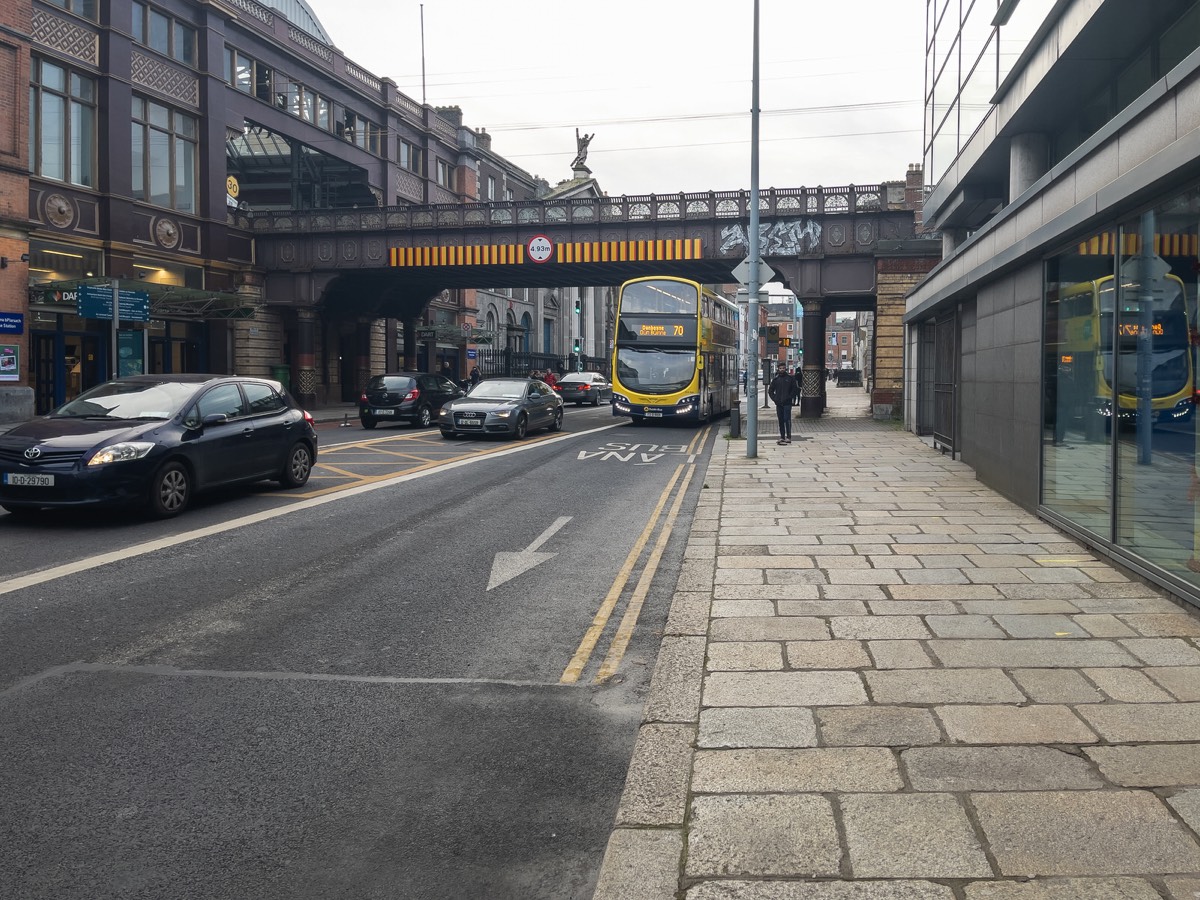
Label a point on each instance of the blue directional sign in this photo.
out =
(95, 302)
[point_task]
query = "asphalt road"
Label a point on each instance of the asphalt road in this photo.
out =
(388, 692)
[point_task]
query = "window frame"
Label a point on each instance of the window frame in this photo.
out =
(179, 42)
(179, 138)
(75, 169)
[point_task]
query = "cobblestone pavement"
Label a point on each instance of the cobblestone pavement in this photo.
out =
(880, 680)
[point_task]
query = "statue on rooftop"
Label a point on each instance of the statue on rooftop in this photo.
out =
(581, 148)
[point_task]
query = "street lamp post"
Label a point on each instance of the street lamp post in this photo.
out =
(752, 311)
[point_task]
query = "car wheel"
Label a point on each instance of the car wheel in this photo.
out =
(596, 400)
(556, 425)
(521, 428)
(298, 466)
(447, 435)
(424, 417)
(368, 423)
(170, 491)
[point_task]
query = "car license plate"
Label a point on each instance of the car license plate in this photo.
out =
(383, 412)
(17, 479)
(651, 413)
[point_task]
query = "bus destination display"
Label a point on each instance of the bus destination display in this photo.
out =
(657, 330)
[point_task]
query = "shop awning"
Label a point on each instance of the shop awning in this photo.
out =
(167, 301)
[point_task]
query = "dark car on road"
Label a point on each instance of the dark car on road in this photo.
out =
(154, 441)
(584, 387)
(503, 406)
(413, 397)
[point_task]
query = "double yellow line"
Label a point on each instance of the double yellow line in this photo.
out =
(620, 641)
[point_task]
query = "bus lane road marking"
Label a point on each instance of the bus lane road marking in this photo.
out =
(641, 454)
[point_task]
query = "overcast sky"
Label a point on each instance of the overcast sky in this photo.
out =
(664, 85)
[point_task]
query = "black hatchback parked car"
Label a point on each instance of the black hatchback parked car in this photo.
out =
(413, 397)
(154, 441)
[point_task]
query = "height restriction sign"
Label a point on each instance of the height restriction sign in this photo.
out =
(539, 248)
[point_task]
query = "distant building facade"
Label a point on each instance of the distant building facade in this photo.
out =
(150, 133)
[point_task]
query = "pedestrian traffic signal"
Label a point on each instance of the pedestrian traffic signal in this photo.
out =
(578, 306)
(576, 345)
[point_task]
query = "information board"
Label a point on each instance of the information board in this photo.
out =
(95, 302)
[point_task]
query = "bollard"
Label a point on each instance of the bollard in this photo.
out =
(345, 421)
(735, 419)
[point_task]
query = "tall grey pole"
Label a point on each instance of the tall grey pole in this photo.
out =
(752, 306)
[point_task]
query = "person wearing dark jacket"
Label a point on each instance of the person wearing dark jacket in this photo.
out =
(783, 390)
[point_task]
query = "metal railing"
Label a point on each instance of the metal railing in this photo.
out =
(706, 206)
(495, 362)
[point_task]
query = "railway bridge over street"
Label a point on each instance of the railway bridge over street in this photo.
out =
(838, 249)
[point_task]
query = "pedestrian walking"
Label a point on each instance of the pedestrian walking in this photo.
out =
(797, 376)
(550, 379)
(475, 377)
(783, 391)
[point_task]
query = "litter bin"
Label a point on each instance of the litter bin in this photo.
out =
(282, 374)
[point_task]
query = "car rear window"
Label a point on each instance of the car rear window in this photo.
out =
(390, 383)
(575, 379)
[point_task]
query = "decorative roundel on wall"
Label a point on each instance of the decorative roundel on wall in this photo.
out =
(166, 233)
(59, 211)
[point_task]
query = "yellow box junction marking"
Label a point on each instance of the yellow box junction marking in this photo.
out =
(569, 253)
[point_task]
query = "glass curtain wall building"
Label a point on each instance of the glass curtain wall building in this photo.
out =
(1064, 169)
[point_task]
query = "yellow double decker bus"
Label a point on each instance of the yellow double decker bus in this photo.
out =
(1099, 359)
(675, 351)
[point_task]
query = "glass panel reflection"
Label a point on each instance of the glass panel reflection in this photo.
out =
(1076, 454)
(1154, 319)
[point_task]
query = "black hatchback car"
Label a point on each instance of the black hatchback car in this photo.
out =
(413, 397)
(154, 441)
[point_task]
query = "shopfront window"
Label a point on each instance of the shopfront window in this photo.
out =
(1120, 449)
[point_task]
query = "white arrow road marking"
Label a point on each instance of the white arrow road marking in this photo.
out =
(507, 565)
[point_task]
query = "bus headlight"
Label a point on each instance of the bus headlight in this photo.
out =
(620, 398)
(688, 403)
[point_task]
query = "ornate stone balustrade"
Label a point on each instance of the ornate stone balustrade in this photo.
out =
(657, 208)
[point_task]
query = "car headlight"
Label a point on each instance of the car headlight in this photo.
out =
(443, 413)
(503, 413)
(120, 452)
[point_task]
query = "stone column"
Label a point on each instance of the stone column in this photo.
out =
(362, 355)
(1028, 159)
(812, 403)
(410, 344)
(305, 384)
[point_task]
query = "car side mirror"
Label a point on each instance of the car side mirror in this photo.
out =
(214, 419)
(460, 393)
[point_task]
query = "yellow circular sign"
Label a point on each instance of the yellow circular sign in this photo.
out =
(231, 185)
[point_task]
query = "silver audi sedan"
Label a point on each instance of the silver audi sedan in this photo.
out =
(510, 407)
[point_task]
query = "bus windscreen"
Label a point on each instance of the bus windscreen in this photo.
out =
(655, 371)
(657, 297)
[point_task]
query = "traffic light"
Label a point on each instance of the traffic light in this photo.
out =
(578, 306)
(576, 345)
(785, 342)
(772, 332)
